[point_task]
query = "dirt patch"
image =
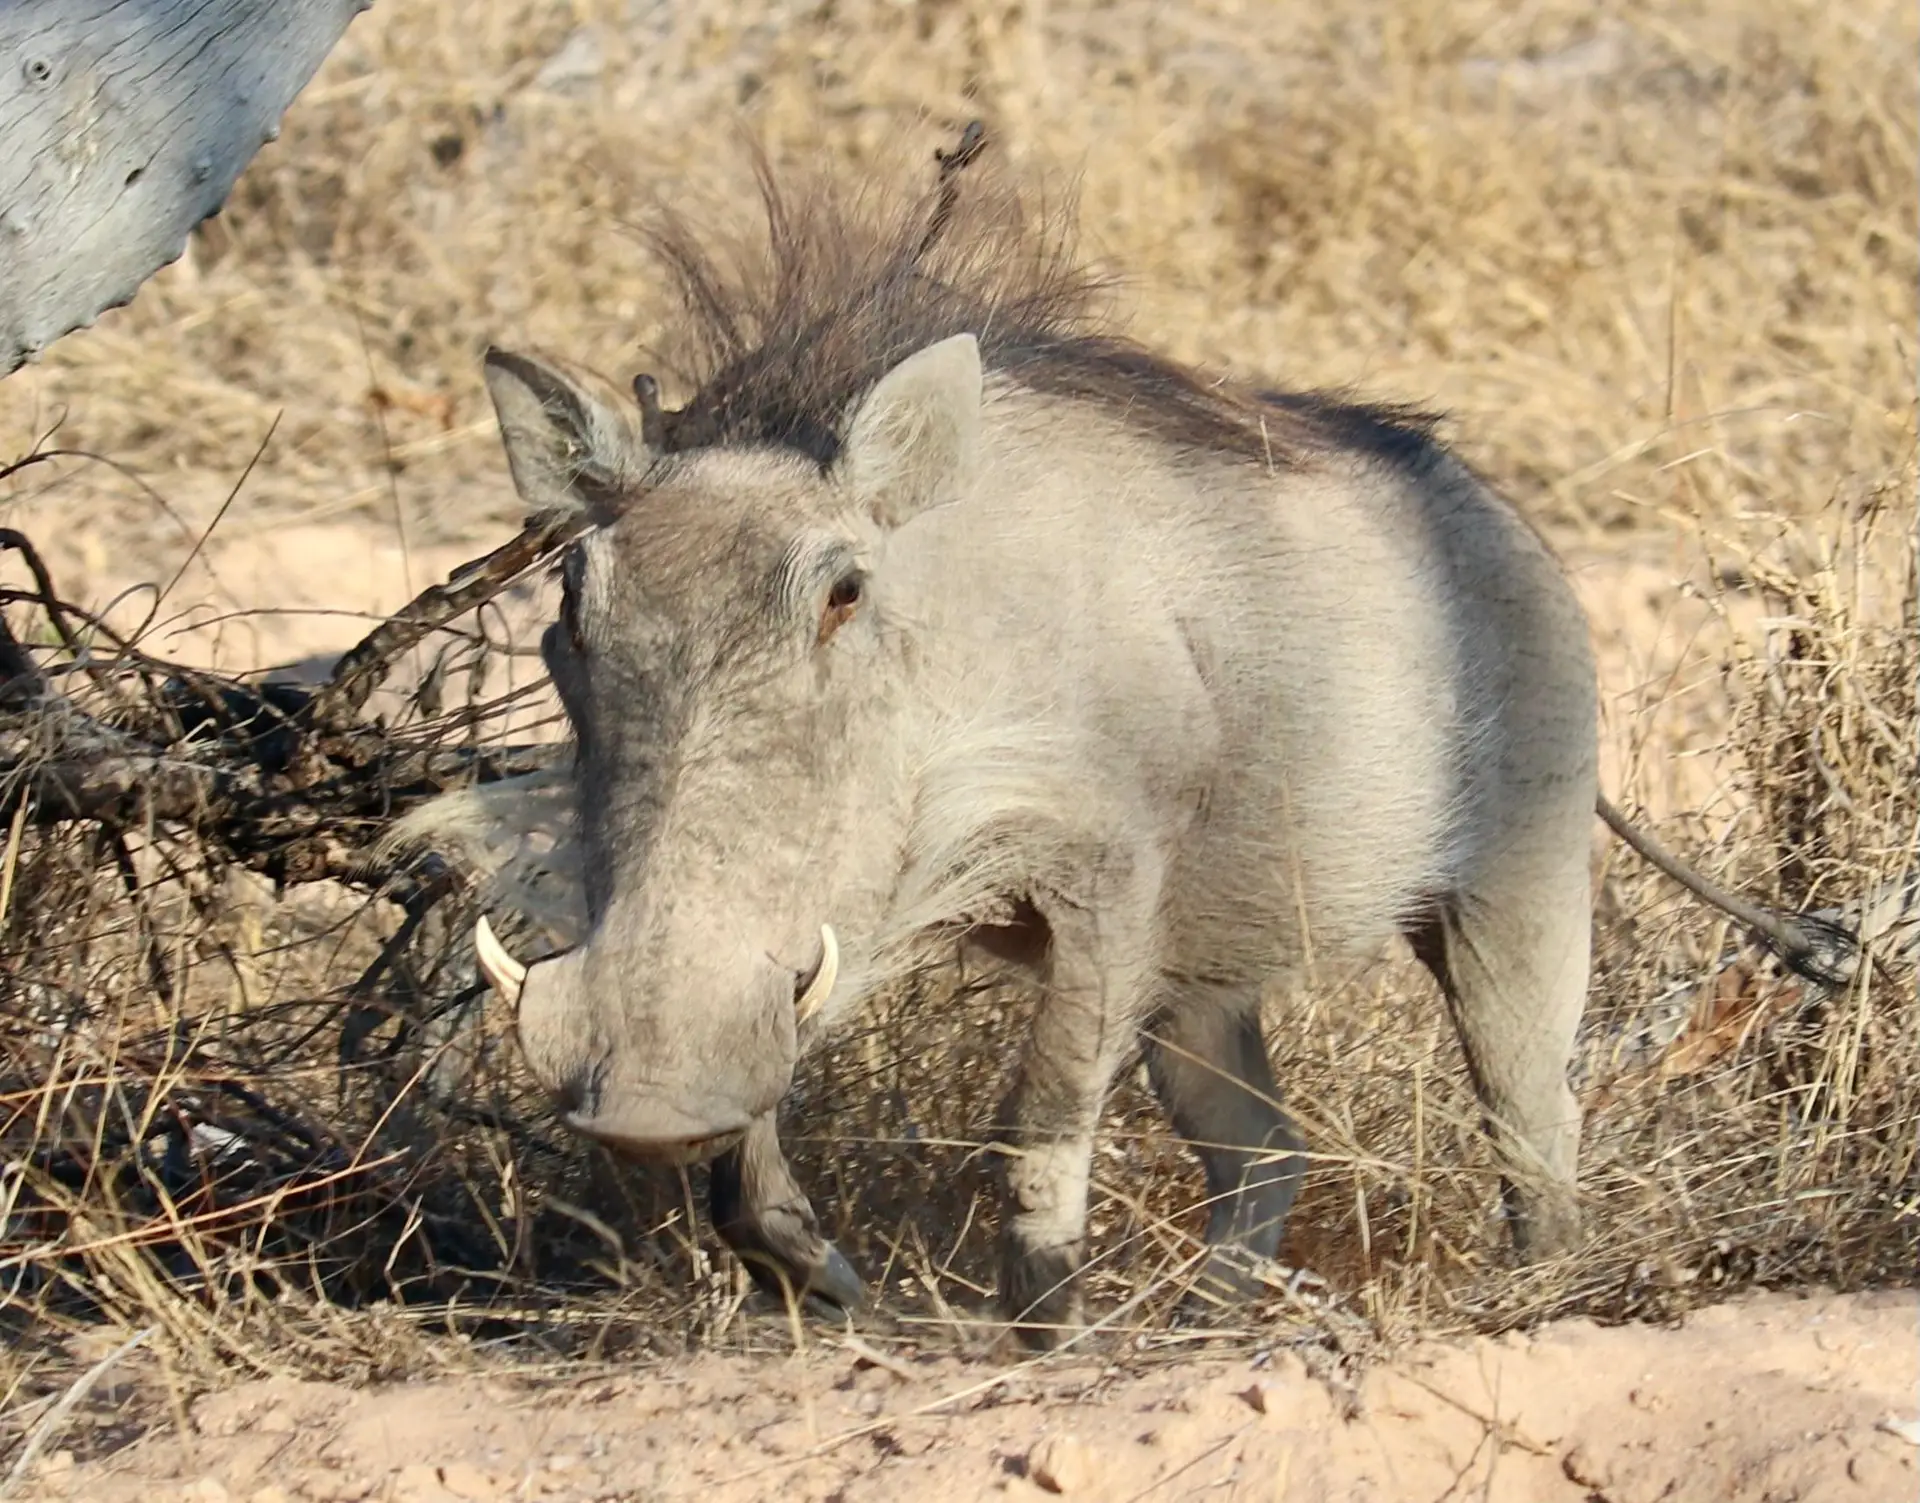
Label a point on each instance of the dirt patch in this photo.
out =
(1773, 1397)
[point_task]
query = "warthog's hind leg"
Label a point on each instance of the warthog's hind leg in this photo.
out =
(1210, 1070)
(762, 1213)
(1510, 951)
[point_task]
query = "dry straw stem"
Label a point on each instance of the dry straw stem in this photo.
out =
(1660, 265)
(49, 1425)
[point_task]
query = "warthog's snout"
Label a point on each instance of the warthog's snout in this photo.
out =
(678, 1091)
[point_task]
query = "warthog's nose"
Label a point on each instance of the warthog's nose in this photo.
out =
(660, 1132)
(672, 1073)
(657, 1129)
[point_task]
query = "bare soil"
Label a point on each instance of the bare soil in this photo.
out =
(1772, 1397)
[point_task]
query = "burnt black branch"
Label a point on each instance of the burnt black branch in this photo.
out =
(362, 669)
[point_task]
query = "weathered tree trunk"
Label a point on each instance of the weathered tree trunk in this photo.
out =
(123, 124)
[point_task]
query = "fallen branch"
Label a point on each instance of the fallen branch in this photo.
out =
(286, 781)
(362, 670)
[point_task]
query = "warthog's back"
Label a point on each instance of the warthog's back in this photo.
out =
(1294, 681)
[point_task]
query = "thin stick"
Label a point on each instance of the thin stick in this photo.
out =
(54, 1418)
(56, 613)
(973, 141)
(12, 861)
(200, 541)
(148, 931)
(363, 667)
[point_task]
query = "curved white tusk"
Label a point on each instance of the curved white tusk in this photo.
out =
(815, 995)
(506, 974)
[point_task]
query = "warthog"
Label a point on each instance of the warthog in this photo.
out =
(938, 609)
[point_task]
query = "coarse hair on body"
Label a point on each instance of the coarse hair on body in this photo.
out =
(779, 338)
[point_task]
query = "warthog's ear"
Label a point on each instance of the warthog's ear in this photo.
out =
(912, 440)
(573, 440)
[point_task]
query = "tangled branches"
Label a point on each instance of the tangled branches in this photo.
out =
(159, 1112)
(283, 779)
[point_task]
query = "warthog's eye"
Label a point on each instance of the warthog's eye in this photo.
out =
(842, 601)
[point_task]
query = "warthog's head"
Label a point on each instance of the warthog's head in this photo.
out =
(732, 652)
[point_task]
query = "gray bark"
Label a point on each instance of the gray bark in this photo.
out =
(123, 124)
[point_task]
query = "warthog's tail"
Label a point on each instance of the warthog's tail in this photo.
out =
(1812, 945)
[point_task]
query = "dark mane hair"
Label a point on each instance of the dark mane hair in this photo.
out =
(779, 340)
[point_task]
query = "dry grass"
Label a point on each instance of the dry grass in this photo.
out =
(1605, 241)
(1659, 263)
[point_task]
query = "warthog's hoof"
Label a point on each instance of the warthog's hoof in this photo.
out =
(825, 1278)
(1040, 1292)
(835, 1281)
(1228, 1281)
(1544, 1225)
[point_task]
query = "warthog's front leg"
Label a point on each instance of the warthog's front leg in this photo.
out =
(1098, 982)
(762, 1213)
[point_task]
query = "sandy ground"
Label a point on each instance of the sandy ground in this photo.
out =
(1773, 1399)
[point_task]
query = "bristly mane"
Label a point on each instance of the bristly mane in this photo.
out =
(780, 340)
